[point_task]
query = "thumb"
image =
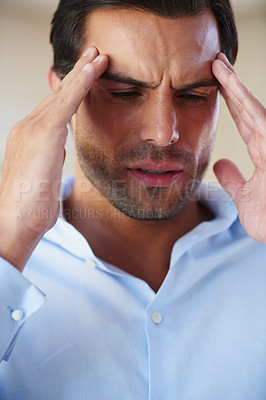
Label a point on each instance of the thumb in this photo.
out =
(230, 177)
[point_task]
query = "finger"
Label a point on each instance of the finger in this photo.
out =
(68, 101)
(236, 90)
(244, 123)
(65, 102)
(224, 59)
(230, 177)
(240, 95)
(90, 54)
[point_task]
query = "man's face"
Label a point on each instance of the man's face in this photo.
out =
(158, 88)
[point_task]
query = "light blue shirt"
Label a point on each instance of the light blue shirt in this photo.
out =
(94, 332)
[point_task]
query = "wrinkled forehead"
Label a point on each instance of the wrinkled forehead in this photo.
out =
(150, 47)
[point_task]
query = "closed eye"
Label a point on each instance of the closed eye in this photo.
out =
(192, 98)
(134, 95)
(126, 95)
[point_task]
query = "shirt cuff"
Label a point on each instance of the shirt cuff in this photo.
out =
(19, 299)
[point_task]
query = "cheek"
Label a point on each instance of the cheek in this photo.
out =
(108, 124)
(199, 125)
(211, 120)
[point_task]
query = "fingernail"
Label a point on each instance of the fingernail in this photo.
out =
(88, 52)
(225, 60)
(98, 58)
(86, 67)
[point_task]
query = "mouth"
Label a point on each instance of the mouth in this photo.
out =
(156, 175)
(154, 172)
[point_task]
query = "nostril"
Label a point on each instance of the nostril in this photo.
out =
(175, 137)
(150, 141)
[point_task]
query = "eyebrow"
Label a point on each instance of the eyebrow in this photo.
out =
(120, 78)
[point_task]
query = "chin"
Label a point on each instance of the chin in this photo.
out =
(143, 212)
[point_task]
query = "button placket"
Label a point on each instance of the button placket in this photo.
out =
(155, 336)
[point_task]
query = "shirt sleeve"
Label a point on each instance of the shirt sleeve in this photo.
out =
(19, 299)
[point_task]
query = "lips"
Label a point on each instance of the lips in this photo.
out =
(156, 174)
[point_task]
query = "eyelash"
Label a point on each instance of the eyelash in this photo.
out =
(190, 98)
(127, 96)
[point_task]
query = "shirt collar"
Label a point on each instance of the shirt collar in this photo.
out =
(215, 199)
(212, 196)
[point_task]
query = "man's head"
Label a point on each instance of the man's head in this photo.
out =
(145, 131)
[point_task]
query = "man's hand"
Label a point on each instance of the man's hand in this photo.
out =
(250, 118)
(35, 153)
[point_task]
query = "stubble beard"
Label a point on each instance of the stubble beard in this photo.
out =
(134, 198)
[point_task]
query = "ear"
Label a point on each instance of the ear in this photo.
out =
(53, 80)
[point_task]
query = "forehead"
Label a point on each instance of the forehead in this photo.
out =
(154, 48)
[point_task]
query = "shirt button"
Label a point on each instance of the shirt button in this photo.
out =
(92, 264)
(17, 315)
(156, 318)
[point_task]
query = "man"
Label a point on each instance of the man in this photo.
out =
(154, 290)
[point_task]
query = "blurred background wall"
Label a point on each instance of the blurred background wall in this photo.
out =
(25, 56)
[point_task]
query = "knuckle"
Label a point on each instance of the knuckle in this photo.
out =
(38, 127)
(63, 99)
(16, 130)
(33, 128)
(18, 127)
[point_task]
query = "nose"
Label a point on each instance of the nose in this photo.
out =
(159, 122)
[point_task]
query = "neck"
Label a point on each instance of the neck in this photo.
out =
(141, 248)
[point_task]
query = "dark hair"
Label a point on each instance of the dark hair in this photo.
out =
(69, 21)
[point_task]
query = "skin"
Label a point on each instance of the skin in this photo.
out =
(138, 128)
(106, 128)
